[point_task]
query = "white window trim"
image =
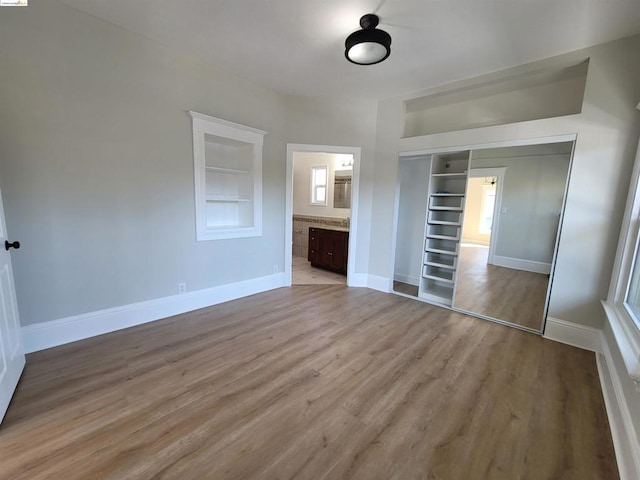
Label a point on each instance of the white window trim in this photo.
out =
(205, 124)
(624, 327)
(314, 186)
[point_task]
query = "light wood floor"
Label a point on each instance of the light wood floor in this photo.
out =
(507, 294)
(310, 382)
(302, 273)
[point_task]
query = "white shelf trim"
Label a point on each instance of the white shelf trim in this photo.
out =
(437, 278)
(440, 265)
(442, 237)
(458, 174)
(444, 222)
(444, 252)
(215, 198)
(226, 170)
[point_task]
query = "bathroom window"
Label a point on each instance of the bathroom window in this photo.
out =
(319, 185)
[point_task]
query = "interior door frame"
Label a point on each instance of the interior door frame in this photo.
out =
(498, 172)
(293, 148)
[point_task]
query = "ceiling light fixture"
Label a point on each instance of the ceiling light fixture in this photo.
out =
(369, 45)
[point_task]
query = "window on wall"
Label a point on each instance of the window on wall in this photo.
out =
(623, 302)
(319, 185)
(632, 300)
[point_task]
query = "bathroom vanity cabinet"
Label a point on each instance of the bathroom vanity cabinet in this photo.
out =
(328, 249)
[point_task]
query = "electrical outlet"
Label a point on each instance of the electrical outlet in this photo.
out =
(276, 269)
(182, 288)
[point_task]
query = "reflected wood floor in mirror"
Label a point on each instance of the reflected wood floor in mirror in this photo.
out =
(310, 382)
(405, 288)
(507, 294)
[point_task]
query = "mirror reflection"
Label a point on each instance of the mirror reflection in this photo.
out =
(477, 230)
(342, 189)
(514, 200)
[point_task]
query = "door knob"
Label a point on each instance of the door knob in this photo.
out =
(8, 245)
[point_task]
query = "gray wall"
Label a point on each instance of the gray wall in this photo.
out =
(96, 163)
(97, 168)
(340, 122)
(532, 194)
(556, 98)
(413, 178)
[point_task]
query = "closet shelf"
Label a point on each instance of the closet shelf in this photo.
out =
(447, 194)
(439, 250)
(443, 222)
(437, 208)
(437, 278)
(440, 265)
(215, 198)
(440, 175)
(442, 237)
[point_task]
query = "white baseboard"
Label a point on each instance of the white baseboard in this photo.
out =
(357, 280)
(409, 280)
(378, 283)
(625, 439)
(587, 338)
(519, 264)
(45, 335)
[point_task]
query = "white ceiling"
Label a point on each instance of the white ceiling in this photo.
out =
(297, 46)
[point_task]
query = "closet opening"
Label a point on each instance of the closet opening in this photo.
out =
(477, 228)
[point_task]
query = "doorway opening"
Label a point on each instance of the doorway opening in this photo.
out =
(321, 213)
(483, 204)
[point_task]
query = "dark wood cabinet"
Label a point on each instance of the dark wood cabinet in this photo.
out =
(328, 249)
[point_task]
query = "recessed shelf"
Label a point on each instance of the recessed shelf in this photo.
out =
(441, 265)
(439, 250)
(442, 237)
(443, 222)
(459, 174)
(438, 208)
(227, 159)
(226, 199)
(437, 278)
(232, 171)
(440, 294)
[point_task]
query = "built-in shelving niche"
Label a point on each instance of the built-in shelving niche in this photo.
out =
(228, 178)
(543, 93)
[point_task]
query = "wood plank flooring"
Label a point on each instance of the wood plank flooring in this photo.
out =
(310, 382)
(507, 294)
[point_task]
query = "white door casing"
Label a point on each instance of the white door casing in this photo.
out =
(499, 173)
(12, 358)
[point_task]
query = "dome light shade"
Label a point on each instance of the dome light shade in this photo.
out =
(369, 45)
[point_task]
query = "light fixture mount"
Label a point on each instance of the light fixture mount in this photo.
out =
(369, 45)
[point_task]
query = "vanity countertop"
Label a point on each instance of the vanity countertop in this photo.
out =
(335, 229)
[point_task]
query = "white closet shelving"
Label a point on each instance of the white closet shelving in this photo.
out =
(443, 226)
